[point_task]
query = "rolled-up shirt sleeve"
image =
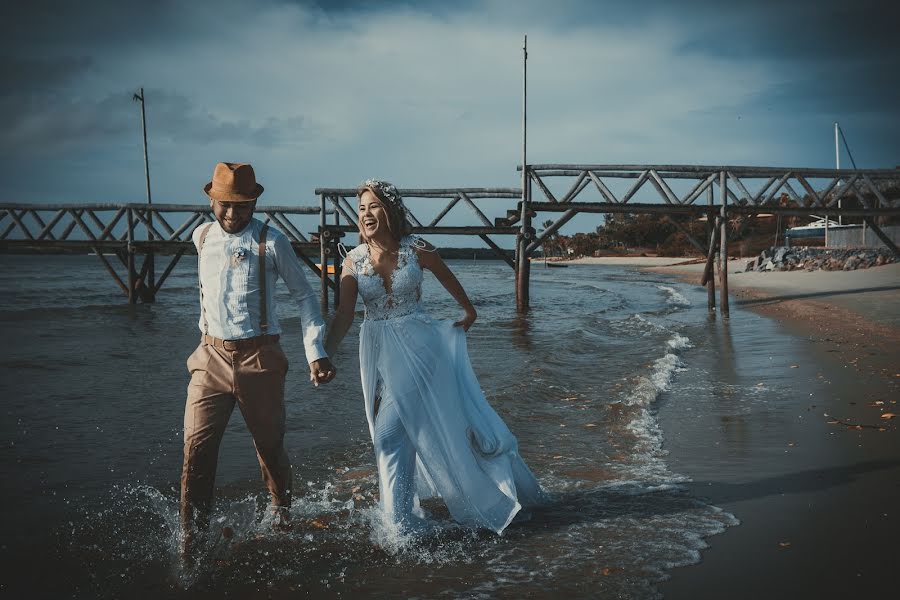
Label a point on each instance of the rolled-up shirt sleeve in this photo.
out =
(292, 272)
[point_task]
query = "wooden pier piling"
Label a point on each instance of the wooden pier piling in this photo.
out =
(709, 270)
(523, 256)
(323, 254)
(523, 239)
(148, 291)
(129, 250)
(723, 246)
(710, 281)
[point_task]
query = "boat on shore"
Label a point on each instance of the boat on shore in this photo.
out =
(554, 264)
(817, 230)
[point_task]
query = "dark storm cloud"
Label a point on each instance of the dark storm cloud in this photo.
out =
(832, 57)
(56, 123)
(45, 26)
(47, 47)
(370, 6)
(812, 30)
(852, 44)
(23, 74)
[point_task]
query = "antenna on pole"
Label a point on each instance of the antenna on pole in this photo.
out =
(149, 290)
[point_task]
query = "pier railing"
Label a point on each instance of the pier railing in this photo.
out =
(677, 191)
(127, 231)
(674, 192)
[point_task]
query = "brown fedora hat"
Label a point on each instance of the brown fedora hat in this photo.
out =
(233, 182)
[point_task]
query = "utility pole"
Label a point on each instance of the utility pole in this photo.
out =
(149, 292)
(837, 165)
(523, 268)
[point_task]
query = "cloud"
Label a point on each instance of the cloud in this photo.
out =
(429, 93)
(27, 75)
(56, 123)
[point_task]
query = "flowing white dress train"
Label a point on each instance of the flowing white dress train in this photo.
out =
(435, 433)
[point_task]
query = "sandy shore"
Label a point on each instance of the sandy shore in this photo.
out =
(627, 261)
(830, 528)
(818, 509)
(846, 310)
(861, 303)
(854, 315)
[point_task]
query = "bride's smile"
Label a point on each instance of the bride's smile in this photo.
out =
(371, 214)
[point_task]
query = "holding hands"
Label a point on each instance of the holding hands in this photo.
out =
(321, 371)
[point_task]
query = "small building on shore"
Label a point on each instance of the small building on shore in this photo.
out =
(835, 235)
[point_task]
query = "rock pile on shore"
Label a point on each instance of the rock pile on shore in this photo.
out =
(781, 258)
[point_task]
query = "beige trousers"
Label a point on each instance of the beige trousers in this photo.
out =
(254, 379)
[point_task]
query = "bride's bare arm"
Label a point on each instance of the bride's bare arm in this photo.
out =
(343, 314)
(429, 259)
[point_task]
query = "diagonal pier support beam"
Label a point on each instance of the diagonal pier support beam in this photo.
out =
(711, 224)
(497, 250)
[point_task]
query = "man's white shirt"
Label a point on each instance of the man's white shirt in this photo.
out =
(229, 275)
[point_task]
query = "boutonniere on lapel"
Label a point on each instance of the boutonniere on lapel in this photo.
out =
(238, 255)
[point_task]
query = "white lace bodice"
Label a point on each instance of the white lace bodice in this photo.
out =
(406, 282)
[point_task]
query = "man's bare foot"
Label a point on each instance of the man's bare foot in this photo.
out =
(281, 518)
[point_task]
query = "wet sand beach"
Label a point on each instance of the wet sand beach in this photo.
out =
(818, 500)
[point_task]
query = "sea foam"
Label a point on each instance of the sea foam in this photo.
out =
(674, 297)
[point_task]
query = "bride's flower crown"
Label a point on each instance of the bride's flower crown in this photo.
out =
(386, 190)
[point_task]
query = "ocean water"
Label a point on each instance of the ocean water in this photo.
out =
(93, 395)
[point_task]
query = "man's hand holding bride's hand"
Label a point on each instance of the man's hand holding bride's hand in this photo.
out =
(321, 371)
(467, 320)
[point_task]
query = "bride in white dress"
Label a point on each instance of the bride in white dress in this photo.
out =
(433, 430)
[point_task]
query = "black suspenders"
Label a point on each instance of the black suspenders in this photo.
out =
(263, 304)
(199, 250)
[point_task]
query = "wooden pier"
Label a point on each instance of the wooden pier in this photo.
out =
(135, 233)
(693, 191)
(129, 233)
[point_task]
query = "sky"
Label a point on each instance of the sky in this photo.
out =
(429, 94)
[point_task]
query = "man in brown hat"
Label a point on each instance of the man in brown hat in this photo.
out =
(239, 359)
